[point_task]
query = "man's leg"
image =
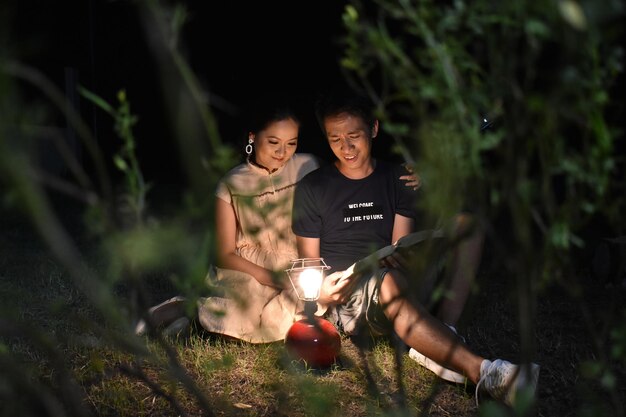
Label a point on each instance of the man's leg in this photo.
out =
(421, 331)
(418, 329)
(463, 266)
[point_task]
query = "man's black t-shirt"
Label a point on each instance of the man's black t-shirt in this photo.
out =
(352, 218)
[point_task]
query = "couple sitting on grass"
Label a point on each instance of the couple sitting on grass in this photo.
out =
(279, 206)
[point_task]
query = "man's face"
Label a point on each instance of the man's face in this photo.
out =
(350, 139)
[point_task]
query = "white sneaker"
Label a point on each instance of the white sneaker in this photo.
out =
(503, 380)
(440, 371)
(163, 314)
(141, 327)
(176, 327)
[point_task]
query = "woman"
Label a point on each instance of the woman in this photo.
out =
(253, 226)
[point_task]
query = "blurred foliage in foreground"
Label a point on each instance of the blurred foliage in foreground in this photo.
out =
(511, 109)
(125, 248)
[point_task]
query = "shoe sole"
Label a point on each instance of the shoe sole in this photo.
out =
(442, 372)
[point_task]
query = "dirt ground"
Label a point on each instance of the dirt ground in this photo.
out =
(572, 330)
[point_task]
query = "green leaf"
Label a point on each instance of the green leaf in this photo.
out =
(524, 401)
(590, 369)
(95, 99)
(573, 14)
(608, 380)
(121, 96)
(120, 163)
(537, 28)
(351, 13)
(492, 409)
(349, 63)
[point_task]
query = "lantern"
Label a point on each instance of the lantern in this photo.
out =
(312, 339)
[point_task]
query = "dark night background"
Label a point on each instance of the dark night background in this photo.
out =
(237, 49)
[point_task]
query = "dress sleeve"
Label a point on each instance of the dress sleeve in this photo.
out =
(223, 192)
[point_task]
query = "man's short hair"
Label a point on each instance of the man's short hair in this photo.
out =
(344, 100)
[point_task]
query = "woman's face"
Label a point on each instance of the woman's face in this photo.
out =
(274, 145)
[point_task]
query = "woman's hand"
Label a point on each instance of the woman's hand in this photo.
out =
(412, 179)
(276, 279)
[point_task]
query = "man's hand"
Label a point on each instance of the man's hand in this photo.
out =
(336, 288)
(396, 261)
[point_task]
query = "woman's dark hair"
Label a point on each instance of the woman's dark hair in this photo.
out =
(264, 111)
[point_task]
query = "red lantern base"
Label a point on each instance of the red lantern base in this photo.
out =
(315, 340)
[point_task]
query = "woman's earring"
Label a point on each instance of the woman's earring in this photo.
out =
(249, 147)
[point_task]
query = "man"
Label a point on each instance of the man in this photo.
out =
(346, 210)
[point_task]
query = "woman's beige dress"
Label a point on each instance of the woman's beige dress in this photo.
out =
(262, 202)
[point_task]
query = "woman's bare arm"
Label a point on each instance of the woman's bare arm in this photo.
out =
(227, 257)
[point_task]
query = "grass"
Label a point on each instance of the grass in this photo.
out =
(259, 380)
(56, 348)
